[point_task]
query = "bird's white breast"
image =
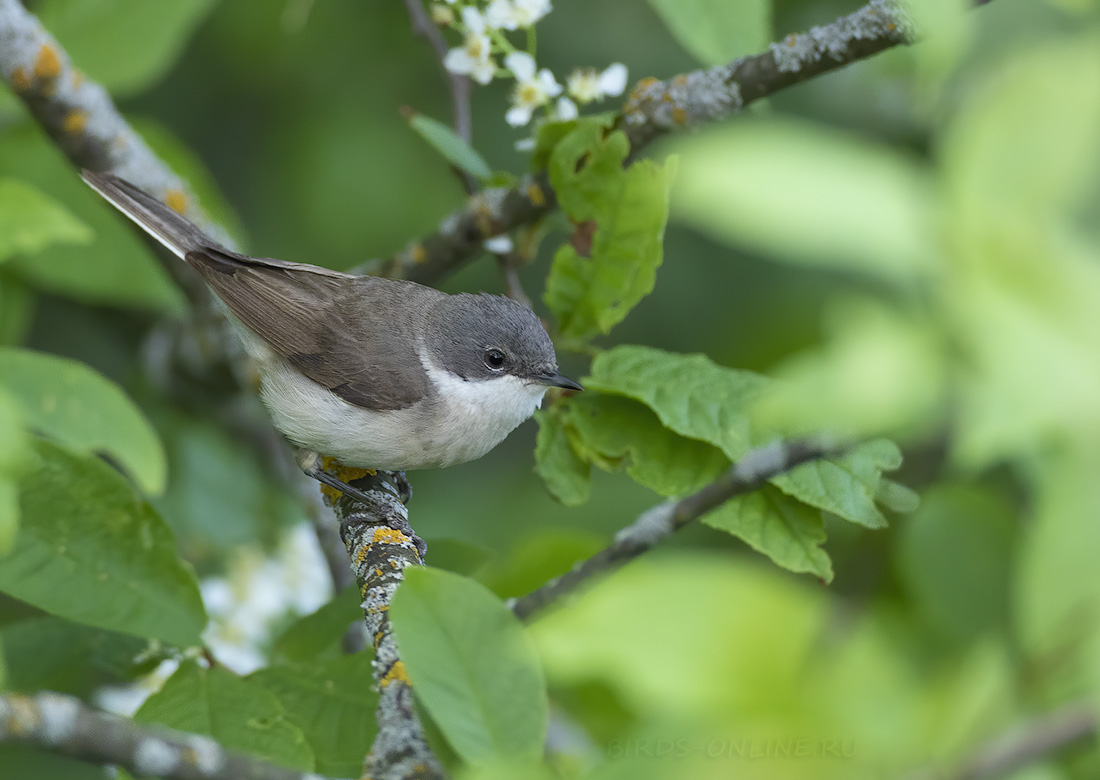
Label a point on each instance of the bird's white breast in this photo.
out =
(461, 421)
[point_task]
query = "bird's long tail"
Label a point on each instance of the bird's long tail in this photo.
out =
(177, 233)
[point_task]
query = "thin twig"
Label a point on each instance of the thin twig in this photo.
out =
(745, 476)
(1022, 744)
(63, 724)
(423, 26)
(655, 108)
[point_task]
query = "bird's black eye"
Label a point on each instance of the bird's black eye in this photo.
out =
(494, 358)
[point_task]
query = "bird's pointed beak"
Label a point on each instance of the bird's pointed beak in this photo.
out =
(557, 380)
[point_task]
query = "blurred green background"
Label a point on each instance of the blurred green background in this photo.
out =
(913, 241)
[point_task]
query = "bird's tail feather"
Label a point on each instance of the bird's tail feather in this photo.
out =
(178, 234)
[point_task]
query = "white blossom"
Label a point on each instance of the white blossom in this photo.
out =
(532, 89)
(586, 85)
(500, 245)
(472, 58)
(516, 14)
(565, 109)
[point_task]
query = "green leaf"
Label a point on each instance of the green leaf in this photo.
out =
(17, 304)
(691, 395)
(146, 37)
(536, 559)
(48, 652)
(15, 458)
(240, 714)
(629, 208)
(618, 428)
(90, 550)
(955, 557)
(19, 762)
(456, 151)
(808, 195)
(116, 268)
(566, 475)
(319, 634)
(1049, 159)
(785, 530)
(30, 221)
(333, 705)
(472, 665)
(73, 404)
(849, 486)
(717, 31)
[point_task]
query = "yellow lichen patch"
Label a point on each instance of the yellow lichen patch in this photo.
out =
(176, 200)
(377, 572)
(396, 672)
(74, 122)
(791, 41)
(536, 195)
(680, 80)
(378, 637)
(679, 116)
(484, 219)
(20, 80)
(361, 554)
(330, 493)
(77, 77)
(47, 65)
(648, 81)
(389, 535)
(417, 253)
(891, 26)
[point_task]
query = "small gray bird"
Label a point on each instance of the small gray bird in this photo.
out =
(378, 373)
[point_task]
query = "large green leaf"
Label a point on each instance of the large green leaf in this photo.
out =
(690, 394)
(568, 477)
(472, 665)
(333, 704)
(850, 486)
(116, 268)
(146, 37)
(627, 209)
(240, 714)
(73, 404)
(90, 550)
(717, 31)
(60, 655)
(456, 151)
(613, 428)
(31, 221)
(787, 531)
(808, 195)
(318, 635)
(15, 457)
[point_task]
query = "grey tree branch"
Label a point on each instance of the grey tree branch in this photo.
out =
(381, 544)
(63, 724)
(748, 474)
(1026, 743)
(655, 108)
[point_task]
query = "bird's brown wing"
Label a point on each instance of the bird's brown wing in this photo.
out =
(314, 318)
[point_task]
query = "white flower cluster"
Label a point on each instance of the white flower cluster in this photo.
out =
(483, 26)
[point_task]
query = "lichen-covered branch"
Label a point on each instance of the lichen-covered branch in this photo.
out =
(83, 120)
(745, 476)
(381, 544)
(655, 108)
(1022, 745)
(63, 724)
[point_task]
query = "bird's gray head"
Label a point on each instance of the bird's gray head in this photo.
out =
(484, 337)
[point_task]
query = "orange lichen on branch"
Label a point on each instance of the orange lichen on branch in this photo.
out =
(388, 536)
(535, 194)
(47, 65)
(74, 122)
(396, 672)
(20, 80)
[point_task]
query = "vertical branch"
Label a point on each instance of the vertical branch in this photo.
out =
(381, 543)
